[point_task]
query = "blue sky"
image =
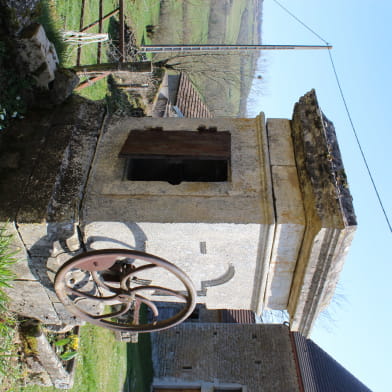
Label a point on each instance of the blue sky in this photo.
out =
(361, 33)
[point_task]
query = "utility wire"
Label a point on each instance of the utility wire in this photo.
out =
(347, 112)
(358, 142)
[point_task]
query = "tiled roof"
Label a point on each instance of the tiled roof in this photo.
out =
(320, 372)
(189, 101)
(237, 316)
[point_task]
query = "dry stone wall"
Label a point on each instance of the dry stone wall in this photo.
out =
(41, 188)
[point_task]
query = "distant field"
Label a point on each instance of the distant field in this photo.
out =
(222, 80)
(138, 14)
(188, 22)
(69, 11)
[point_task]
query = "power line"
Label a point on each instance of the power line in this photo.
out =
(359, 143)
(347, 112)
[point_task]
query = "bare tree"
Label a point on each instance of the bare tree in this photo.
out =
(220, 77)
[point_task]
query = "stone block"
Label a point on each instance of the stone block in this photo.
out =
(30, 299)
(39, 54)
(279, 142)
(65, 316)
(17, 248)
(52, 364)
(329, 212)
(290, 227)
(288, 198)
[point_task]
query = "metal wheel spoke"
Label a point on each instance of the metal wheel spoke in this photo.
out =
(133, 273)
(147, 302)
(90, 296)
(100, 284)
(114, 314)
(160, 289)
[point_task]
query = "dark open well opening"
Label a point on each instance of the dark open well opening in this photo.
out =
(175, 171)
(177, 156)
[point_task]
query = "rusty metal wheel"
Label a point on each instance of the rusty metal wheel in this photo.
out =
(111, 287)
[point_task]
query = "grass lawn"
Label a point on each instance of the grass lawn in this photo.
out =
(101, 366)
(67, 13)
(139, 371)
(7, 321)
(138, 14)
(196, 17)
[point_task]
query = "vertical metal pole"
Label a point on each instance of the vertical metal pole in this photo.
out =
(100, 29)
(79, 52)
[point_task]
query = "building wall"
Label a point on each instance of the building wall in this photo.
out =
(258, 357)
(207, 229)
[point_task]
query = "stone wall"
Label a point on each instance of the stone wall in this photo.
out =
(45, 162)
(256, 357)
(214, 231)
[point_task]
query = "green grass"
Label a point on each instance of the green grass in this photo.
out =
(139, 361)
(7, 258)
(52, 25)
(139, 371)
(68, 12)
(233, 22)
(101, 366)
(196, 17)
(140, 14)
(7, 322)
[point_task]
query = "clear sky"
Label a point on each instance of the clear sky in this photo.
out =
(360, 338)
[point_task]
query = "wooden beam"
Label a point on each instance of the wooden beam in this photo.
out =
(91, 81)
